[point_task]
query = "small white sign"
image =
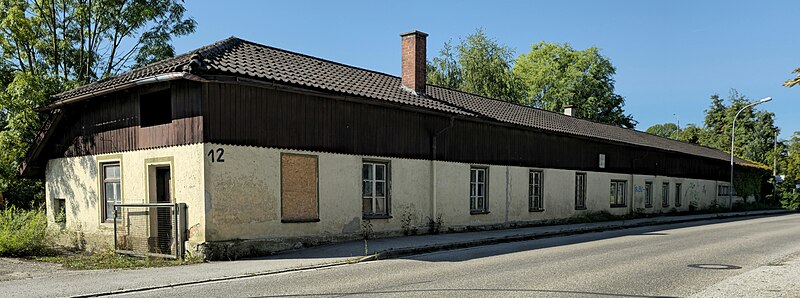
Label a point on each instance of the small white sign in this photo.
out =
(602, 161)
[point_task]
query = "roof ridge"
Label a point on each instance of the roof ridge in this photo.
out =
(318, 58)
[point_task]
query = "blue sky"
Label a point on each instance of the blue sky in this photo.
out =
(670, 55)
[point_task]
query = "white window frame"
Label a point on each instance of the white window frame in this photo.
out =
(374, 183)
(580, 191)
(678, 198)
(618, 192)
(106, 200)
(478, 198)
(648, 194)
(665, 194)
(536, 190)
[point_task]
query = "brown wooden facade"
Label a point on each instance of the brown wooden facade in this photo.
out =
(283, 117)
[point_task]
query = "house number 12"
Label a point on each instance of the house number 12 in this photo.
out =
(219, 153)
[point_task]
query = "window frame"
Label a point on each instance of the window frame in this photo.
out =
(725, 193)
(616, 199)
(648, 194)
(534, 185)
(473, 198)
(580, 190)
(665, 194)
(678, 197)
(104, 181)
(373, 197)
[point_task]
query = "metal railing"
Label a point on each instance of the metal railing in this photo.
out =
(155, 230)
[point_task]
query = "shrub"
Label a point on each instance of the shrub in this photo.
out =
(23, 232)
(791, 201)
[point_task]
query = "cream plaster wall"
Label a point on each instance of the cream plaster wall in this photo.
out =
(243, 195)
(239, 198)
(76, 180)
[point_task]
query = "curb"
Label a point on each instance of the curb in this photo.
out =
(232, 277)
(395, 253)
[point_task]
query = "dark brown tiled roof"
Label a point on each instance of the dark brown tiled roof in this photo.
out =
(235, 56)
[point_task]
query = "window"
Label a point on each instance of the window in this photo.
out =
(665, 194)
(155, 108)
(299, 188)
(580, 191)
(535, 195)
(648, 194)
(723, 190)
(618, 193)
(112, 193)
(677, 194)
(60, 211)
(477, 191)
(375, 189)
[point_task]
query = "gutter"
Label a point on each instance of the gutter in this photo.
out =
(170, 76)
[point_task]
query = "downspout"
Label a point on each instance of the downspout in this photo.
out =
(633, 195)
(433, 168)
(508, 192)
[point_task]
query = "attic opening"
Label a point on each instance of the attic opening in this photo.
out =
(155, 108)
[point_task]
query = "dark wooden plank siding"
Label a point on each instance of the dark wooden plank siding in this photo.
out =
(111, 123)
(256, 116)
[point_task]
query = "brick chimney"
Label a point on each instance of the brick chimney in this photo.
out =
(414, 63)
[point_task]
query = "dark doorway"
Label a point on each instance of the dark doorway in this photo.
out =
(163, 215)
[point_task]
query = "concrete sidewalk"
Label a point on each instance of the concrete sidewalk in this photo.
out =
(90, 283)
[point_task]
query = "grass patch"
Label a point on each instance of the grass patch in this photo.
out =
(23, 232)
(107, 259)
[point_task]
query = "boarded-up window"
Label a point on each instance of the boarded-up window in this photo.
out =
(299, 195)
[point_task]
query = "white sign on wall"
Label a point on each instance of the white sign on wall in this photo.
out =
(602, 161)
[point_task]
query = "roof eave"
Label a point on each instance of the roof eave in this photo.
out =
(164, 77)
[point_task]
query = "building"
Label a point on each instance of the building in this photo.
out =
(271, 149)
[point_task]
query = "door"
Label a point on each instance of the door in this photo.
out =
(163, 215)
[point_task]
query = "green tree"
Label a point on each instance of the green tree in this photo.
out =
(84, 40)
(790, 167)
(48, 46)
(555, 75)
(755, 129)
(477, 64)
(691, 134)
(667, 130)
(444, 70)
(795, 81)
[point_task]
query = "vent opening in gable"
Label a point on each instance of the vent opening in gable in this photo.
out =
(155, 108)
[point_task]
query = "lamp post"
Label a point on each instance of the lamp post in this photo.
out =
(733, 134)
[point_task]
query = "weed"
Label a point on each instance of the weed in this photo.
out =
(407, 221)
(107, 259)
(366, 228)
(23, 232)
(435, 225)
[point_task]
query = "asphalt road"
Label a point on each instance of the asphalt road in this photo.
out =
(671, 260)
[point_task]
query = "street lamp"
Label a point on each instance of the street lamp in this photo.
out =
(733, 134)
